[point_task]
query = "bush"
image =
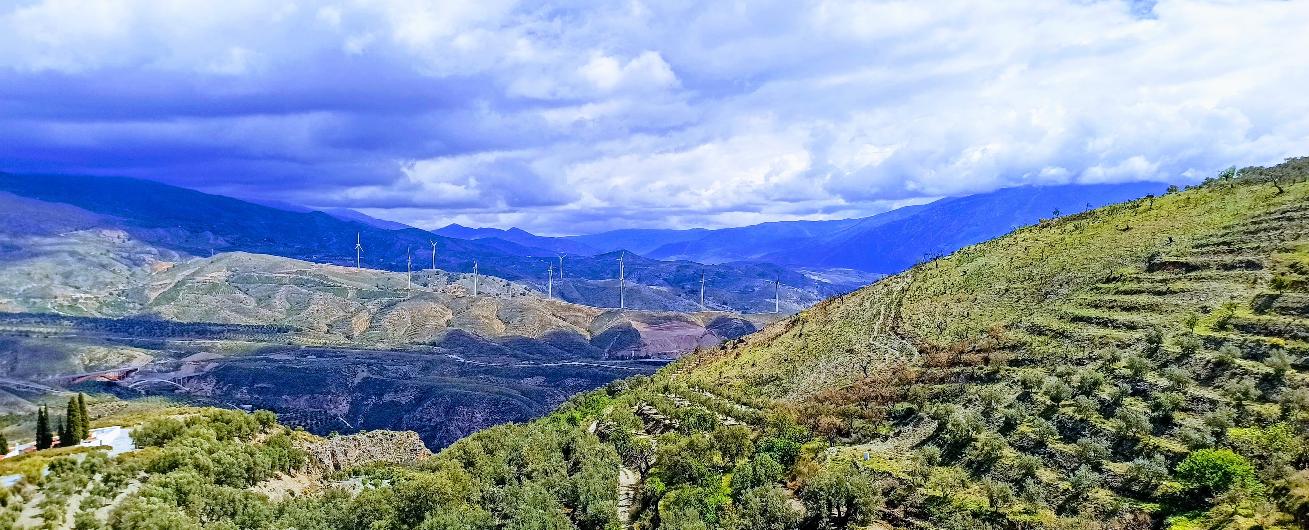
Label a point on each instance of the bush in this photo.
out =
(765, 508)
(1146, 474)
(156, 433)
(762, 471)
(1189, 344)
(839, 497)
(782, 450)
(985, 451)
(1208, 472)
(1194, 437)
(1056, 390)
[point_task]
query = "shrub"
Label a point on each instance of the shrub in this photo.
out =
(1137, 366)
(1130, 422)
(1220, 420)
(1274, 445)
(1178, 377)
(985, 451)
(1092, 451)
(1088, 381)
(1242, 391)
(1194, 437)
(1279, 362)
(783, 451)
(156, 433)
(839, 497)
(733, 442)
(1083, 481)
(695, 419)
(762, 471)
(1227, 355)
(1147, 473)
(1166, 403)
(1056, 390)
(766, 508)
(1188, 343)
(1208, 472)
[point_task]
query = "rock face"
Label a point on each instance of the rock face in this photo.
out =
(341, 452)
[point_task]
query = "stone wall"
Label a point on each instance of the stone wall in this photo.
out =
(340, 452)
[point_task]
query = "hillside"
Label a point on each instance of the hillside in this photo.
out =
(321, 344)
(1141, 365)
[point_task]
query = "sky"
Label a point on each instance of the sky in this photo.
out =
(576, 117)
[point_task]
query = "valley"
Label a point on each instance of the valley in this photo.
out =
(330, 348)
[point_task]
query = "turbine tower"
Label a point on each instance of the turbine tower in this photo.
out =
(622, 296)
(475, 278)
(777, 295)
(550, 284)
(433, 254)
(359, 251)
(561, 267)
(702, 290)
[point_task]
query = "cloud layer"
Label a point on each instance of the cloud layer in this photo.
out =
(570, 117)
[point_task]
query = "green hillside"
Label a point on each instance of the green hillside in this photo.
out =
(1141, 366)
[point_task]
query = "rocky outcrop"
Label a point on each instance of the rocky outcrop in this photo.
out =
(335, 453)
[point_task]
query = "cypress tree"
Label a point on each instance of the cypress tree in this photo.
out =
(62, 429)
(72, 432)
(44, 438)
(84, 416)
(4, 445)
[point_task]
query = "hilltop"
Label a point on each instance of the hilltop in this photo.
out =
(1140, 365)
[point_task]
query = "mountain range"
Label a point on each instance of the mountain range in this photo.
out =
(199, 224)
(885, 243)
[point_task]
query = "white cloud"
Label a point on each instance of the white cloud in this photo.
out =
(650, 113)
(647, 71)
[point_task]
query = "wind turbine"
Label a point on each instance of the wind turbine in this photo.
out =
(550, 284)
(409, 268)
(777, 295)
(433, 254)
(622, 296)
(702, 290)
(359, 251)
(561, 267)
(475, 278)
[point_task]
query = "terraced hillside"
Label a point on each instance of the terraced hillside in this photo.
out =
(1138, 366)
(1066, 372)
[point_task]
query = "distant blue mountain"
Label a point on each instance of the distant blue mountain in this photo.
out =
(639, 240)
(346, 214)
(198, 223)
(885, 243)
(890, 243)
(541, 245)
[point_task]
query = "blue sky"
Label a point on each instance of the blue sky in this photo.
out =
(571, 117)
